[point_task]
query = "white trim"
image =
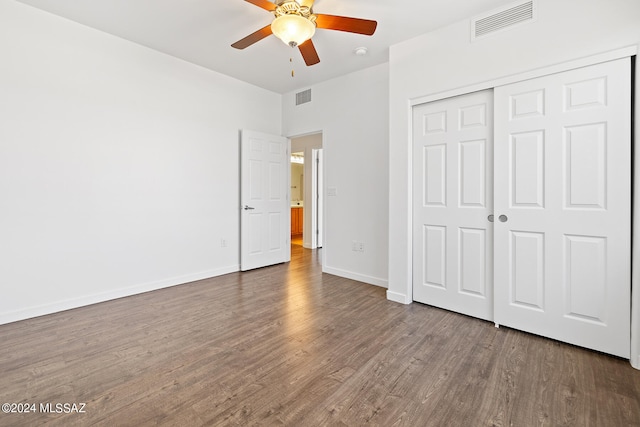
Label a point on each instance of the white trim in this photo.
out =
(356, 276)
(635, 238)
(538, 72)
(635, 365)
(398, 297)
(69, 304)
(407, 298)
(409, 212)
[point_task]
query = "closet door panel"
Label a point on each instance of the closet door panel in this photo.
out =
(453, 197)
(562, 184)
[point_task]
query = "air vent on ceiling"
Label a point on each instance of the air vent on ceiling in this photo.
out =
(501, 19)
(303, 97)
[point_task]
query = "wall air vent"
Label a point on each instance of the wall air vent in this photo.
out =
(303, 97)
(501, 19)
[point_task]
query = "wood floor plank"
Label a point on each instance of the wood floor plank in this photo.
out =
(290, 345)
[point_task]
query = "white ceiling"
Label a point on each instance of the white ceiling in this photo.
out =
(201, 32)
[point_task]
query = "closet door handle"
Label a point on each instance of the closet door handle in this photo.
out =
(490, 218)
(503, 218)
(248, 208)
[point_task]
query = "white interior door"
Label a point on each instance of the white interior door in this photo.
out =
(562, 188)
(264, 196)
(453, 197)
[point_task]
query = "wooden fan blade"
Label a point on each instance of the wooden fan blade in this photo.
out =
(343, 23)
(253, 37)
(309, 53)
(267, 5)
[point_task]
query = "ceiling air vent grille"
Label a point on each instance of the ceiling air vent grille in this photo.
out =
(505, 18)
(303, 97)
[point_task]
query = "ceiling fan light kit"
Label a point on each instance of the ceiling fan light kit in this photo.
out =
(295, 24)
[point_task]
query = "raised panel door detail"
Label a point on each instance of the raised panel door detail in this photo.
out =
(435, 258)
(472, 116)
(435, 175)
(526, 105)
(276, 232)
(472, 171)
(527, 169)
(275, 148)
(256, 146)
(255, 180)
(472, 261)
(255, 221)
(586, 277)
(586, 168)
(434, 122)
(527, 269)
(586, 94)
(275, 178)
(294, 221)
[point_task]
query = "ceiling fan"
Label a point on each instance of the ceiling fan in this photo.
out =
(295, 24)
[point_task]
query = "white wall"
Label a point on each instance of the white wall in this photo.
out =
(352, 113)
(119, 165)
(444, 61)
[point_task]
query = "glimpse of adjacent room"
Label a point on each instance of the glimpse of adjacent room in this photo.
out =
(306, 191)
(297, 197)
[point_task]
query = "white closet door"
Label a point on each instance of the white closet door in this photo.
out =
(562, 182)
(453, 196)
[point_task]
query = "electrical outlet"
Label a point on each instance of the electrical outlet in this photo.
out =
(357, 246)
(223, 243)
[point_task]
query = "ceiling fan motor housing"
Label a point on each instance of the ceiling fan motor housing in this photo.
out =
(291, 7)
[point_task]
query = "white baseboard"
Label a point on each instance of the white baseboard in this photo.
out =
(356, 276)
(397, 297)
(85, 300)
(635, 365)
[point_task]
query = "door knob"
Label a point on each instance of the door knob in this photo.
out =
(248, 208)
(490, 218)
(503, 218)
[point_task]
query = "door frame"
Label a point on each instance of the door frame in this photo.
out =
(317, 198)
(630, 51)
(311, 217)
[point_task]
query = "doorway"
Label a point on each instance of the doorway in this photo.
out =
(306, 191)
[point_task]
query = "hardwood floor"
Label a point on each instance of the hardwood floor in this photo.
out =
(297, 240)
(289, 345)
